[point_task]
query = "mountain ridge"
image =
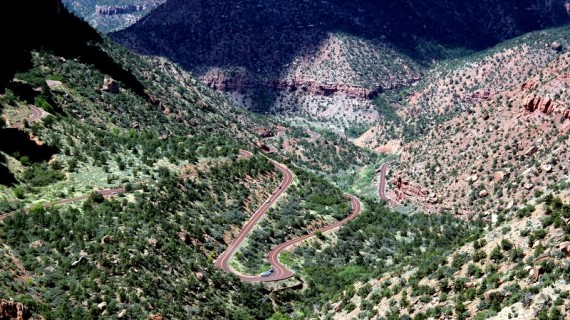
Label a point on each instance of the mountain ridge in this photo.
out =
(246, 47)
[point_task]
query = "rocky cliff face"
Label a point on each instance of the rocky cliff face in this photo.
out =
(112, 15)
(487, 133)
(218, 81)
(13, 310)
(118, 10)
(266, 49)
(546, 106)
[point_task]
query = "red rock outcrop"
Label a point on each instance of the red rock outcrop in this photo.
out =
(13, 310)
(184, 236)
(157, 102)
(529, 86)
(324, 89)
(404, 189)
(264, 132)
(546, 106)
(217, 80)
(479, 96)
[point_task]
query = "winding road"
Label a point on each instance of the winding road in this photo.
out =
(243, 154)
(35, 115)
(280, 271)
(223, 260)
(313, 135)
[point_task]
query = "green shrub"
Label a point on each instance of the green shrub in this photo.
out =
(40, 175)
(496, 254)
(506, 245)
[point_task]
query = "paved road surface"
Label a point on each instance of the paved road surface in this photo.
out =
(382, 184)
(243, 154)
(224, 258)
(280, 271)
(35, 115)
(313, 135)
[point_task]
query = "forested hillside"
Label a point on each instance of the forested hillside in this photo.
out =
(124, 179)
(326, 60)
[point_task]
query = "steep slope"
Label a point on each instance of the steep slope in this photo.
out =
(484, 133)
(313, 57)
(112, 15)
(121, 183)
(166, 144)
(516, 270)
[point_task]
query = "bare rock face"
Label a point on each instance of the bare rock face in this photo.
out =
(472, 178)
(110, 85)
(536, 273)
(52, 84)
(487, 296)
(479, 96)
(199, 276)
(530, 151)
(326, 89)
(432, 198)
(217, 80)
(546, 106)
(13, 310)
(155, 317)
(118, 10)
(499, 176)
(37, 244)
(184, 236)
(556, 46)
(404, 189)
(565, 248)
(529, 85)
(106, 239)
(483, 193)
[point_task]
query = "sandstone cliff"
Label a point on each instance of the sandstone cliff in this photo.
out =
(118, 10)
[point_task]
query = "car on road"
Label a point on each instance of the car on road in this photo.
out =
(267, 273)
(114, 193)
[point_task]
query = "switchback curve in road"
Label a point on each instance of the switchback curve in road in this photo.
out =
(35, 115)
(280, 271)
(223, 260)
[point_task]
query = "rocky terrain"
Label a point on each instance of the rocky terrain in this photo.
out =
(483, 134)
(324, 60)
(516, 270)
(108, 123)
(124, 176)
(108, 16)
